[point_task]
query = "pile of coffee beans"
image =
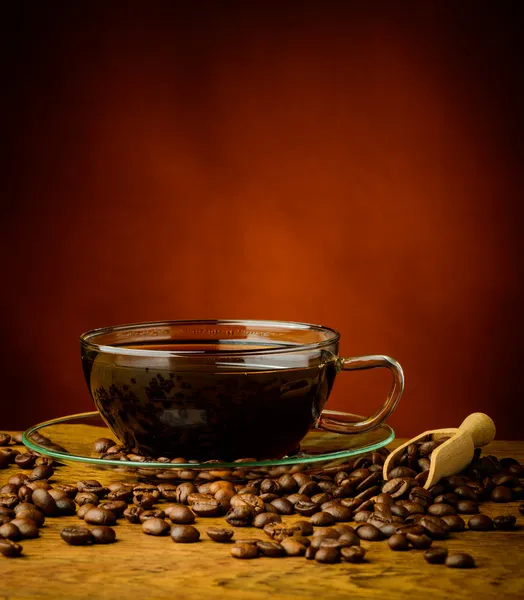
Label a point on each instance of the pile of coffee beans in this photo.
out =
(399, 511)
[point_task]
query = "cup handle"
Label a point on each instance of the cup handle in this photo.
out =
(330, 422)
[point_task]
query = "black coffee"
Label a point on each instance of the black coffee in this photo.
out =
(225, 410)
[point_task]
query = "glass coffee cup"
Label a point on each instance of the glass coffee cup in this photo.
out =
(222, 389)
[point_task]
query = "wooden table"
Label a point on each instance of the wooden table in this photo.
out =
(140, 566)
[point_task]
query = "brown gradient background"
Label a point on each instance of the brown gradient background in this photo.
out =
(352, 164)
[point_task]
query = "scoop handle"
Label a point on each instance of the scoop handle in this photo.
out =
(480, 427)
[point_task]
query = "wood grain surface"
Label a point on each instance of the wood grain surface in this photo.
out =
(140, 566)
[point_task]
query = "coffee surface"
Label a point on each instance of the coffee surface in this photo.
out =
(211, 409)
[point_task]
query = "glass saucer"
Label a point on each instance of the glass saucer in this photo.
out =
(70, 440)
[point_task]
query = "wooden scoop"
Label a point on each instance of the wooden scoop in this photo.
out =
(454, 454)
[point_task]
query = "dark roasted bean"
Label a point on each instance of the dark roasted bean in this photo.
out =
(435, 527)
(460, 560)
(76, 536)
(244, 551)
(305, 527)
(401, 472)
(369, 533)
(102, 445)
(10, 531)
(132, 513)
(327, 555)
(10, 549)
(310, 553)
(421, 496)
(103, 535)
(219, 534)
(441, 510)
(270, 549)
(144, 499)
(480, 523)
(283, 506)
(398, 542)
(65, 506)
(504, 522)
(420, 542)
(180, 514)
(5, 438)
(115, 506)
(454, 522)
(436, 555)
(362, 516)
(25, 460)
(448, 498)
(185, 534)
(341, 513)
(240, 516)
(467, 507)
(396, 488)
(353, 554)
(99, 516)
(263, 519)
(156, 527)
(151, 514)
(306, 509)
(43, 500)
(501, 494)
(322, 519)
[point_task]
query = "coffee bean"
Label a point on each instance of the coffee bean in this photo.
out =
(103, 535)
(421, 496)
(398, 542)
(253, 502)
(283, 506)
(368, 494)
(270, 549)
(353, 554)
(219, 534)
(501, 494)
(448, 498)
(327, 555)
(115, 506)
(80, 513)
(310, 553)
(244, 551)
(69, 490)
(414, 508)
(10, 531)
(156, 527)
(151, 514)
(435, 527)
(399, 472)
(87, 498)
(31, 513)
(399, 511)
(293, 546)
(436, 555)
(397, 487)
(180, 514)
(240, 516)
(304, 527)
(362, 516)
(465, 492)
(480, 523)
(209, 508)
(388, 529)
(102, 445)
(144, 499)
(76, 536)
(99, 516)
(93, 486)
(322, 519)
(467, 507)
(10, 549)
(441, 510)
(279, 531)
(25, 460)
(41, 472)
(340, 513)
(5, 438)
(27, 527)
(420, 542)
(65, 506)
(369, 533)
(460, 560)
(185, 534)
(263, 519)
(306, 509)
(504, 522)
(44, 502)
(454, 522)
